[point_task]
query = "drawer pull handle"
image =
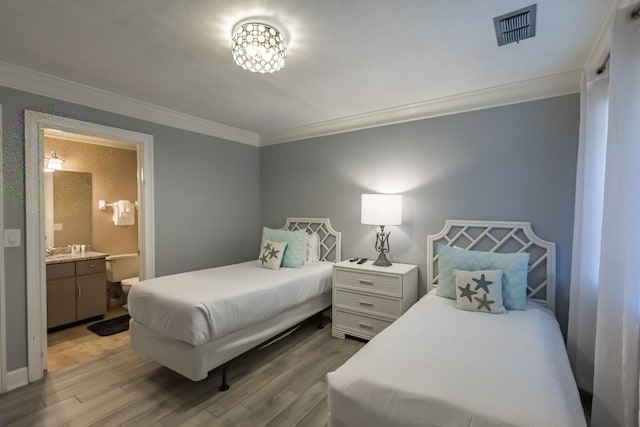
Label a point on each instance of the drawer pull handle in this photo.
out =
(92, 265)
(365, 325)
(365, 282)
(79, 292)
(370, 304)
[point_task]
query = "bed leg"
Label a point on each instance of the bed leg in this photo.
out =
(320, 321)
(224, 386)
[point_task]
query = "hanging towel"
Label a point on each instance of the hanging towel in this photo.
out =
(124, 213)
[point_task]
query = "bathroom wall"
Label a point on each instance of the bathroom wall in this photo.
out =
(114, 177)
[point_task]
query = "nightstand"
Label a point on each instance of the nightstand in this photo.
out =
(368, 298)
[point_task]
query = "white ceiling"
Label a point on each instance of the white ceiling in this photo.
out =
(346, 58)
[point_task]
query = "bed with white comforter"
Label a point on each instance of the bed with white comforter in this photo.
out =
(200, 306)
(197, 321)
(440, 366)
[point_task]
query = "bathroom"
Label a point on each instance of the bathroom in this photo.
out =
(93, 169)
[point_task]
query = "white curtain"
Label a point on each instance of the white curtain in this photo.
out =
(585, 269)
(604, 324)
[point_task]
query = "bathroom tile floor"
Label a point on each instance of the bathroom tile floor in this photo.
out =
(76, 344)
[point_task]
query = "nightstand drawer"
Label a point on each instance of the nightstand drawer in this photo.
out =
(359, 324)
(369, 282)
(371, 303)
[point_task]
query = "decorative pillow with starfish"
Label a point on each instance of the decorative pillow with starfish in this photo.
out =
(479, 290)
(271, 254)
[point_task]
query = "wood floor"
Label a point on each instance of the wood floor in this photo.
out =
(73, 345)
(281, 385)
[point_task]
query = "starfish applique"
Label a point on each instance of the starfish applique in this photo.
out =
(273, 253)
(484, 302)
(267, 246)
(264, 258)
(466, 292)
(482, 283)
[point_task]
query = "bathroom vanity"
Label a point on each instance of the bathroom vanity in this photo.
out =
(76, 287)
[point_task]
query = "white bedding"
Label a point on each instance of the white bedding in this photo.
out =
(197, 307)
(439, 366)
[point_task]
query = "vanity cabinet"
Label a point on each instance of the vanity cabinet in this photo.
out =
(61, 294)
(76, 290)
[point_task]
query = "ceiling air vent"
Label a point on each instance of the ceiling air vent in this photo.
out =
(516, 26)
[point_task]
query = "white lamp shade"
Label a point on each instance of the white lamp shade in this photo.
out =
(381, 209)
(53, 164)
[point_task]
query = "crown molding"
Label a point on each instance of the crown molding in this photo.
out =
(512, 93)
(21, 78)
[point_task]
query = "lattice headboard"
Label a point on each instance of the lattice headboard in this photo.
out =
(330, 239)
(501, 237)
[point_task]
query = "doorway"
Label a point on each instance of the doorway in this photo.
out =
(92, 169)
(35, 126)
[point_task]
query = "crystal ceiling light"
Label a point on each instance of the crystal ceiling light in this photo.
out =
(258, 47)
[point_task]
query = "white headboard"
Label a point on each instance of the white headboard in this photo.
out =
(330, 239)
(502, 237)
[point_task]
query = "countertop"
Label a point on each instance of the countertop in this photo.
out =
(60, 258)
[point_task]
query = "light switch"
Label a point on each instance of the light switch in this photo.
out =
(12, 238)
(57, 226)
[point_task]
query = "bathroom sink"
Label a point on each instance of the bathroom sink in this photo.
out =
(74, 257)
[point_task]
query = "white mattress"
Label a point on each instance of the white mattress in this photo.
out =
(438, 366)
(200, 306)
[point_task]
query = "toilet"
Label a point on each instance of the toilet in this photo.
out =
(123, 268)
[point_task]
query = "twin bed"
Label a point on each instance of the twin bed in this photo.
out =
(436, 365)
(197, 321)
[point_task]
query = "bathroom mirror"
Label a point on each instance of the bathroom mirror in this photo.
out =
(67, 208)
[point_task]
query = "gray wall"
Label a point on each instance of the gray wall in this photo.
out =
(211, 196)
(206, 200)
(516, 162)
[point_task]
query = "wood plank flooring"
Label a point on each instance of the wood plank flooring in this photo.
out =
(281, 385)
(75, 344)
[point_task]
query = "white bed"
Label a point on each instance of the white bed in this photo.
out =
(196, 321)
(440, 366)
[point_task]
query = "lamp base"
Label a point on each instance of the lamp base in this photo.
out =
(382, 261)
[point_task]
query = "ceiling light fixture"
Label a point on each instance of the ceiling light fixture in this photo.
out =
(258, 47)
(53, 163)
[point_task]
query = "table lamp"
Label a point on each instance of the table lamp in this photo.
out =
(381, 210)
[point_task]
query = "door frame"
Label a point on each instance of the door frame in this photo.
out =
(35, 124)
(3, 322)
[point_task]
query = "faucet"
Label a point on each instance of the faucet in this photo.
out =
(48, 252)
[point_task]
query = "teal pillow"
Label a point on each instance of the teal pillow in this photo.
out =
(296, 251)
(514, 272)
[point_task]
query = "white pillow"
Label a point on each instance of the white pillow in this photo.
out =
(313, 247)
(271, 254)
(479, 290)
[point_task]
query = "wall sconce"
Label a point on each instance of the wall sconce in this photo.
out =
(381, 210)
(53, 163)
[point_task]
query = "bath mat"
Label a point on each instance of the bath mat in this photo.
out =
(111, 326)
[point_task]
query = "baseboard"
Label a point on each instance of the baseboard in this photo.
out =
(17, 378)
